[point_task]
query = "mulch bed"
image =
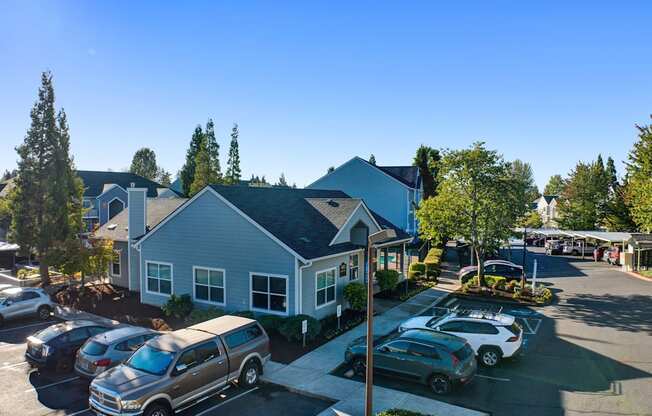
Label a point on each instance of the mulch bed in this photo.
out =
(118, 304)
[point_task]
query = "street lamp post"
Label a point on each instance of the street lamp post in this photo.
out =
(380, 236)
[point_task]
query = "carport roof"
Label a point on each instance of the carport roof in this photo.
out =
(608, 236)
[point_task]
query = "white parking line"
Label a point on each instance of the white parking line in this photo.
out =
(52, 384)
(493, 378)
(80, 412)
(25, 326)
(7, 346)
(4, 367)
(226, 401)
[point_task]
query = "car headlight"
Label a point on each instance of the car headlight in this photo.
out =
(46, 351)
(129, 404)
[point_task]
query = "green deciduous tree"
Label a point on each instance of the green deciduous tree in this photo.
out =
(427, 160)
(524, 178)
(46, 203)
(582, 204)
(639, 176)
(164, 177)
(144, 164)
(555, 185)
(233, 172)
(475, 200)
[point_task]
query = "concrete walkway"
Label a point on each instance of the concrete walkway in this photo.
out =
(310, 373)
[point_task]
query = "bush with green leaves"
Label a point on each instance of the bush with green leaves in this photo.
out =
(543, 296)
(356, 294)
(178, 306)
(245, 314)
(204, 314)
(291, 328)
(417, 270)
(271, 322)
(387, 279)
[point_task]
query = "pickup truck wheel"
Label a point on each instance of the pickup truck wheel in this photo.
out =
(44, 312)
(249, 375)
(157, 410)
(489, 356)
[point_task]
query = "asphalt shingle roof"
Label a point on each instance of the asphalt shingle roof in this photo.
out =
(306, 220)
(409, 175)
(95, 181)
(157, 209)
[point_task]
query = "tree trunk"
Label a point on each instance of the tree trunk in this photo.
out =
(45, 272)
(480, 260)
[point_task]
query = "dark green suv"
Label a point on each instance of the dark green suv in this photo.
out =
(437, 360)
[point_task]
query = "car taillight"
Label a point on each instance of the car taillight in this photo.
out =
(455, 360)
(512, 339)
(104, 362)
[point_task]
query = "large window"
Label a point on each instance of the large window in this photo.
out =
(159, 278)
(325, 289)
(115, 264)
(354, 266)
(269, 293)
(209, 285)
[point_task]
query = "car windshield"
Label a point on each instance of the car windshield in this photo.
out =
(94, 348)
(151, 360)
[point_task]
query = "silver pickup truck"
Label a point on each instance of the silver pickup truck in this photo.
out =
(179, 369)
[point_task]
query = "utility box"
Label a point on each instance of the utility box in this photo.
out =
(627, 260)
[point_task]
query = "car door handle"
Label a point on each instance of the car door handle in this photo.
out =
(195, 373)
(220, 362)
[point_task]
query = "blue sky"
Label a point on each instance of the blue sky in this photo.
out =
(313, 84)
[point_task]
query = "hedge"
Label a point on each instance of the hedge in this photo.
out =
(271, 322)
(291, 328)
(178, 306)
(417, 270)
(204, 314)
(387, 279)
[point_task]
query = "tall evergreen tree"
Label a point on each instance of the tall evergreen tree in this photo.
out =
(639, 175)
(555, 185)
(233, 172)
(144, 164)
(372, 159)
(204, 173)
(330, 169)
(47, 197)
(187, 173)
(427, 160)
(213, 150)
(582, 204)
(164, 177)
(282, 182)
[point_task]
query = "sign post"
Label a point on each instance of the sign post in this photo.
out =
(304, 330)
(534, 276)
(339, 315)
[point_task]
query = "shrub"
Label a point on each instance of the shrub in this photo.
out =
(543, 296)
(291, 328)
(204, 314)
(356, 294)
(271, 322)
(387, 279)
(400, 412)
(22, 274)
(245, 314)
(417, 270)
(178, 306)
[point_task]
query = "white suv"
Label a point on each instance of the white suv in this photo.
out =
(18, 302)
(492, 336)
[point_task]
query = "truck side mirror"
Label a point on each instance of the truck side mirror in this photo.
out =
(180, 369)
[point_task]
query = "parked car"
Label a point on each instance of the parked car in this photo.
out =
(178, 369)
(55, 347)
(18, 302)
(108, 349)
(553, 247)
(493, 336)
(576, 249)
(612, 255)
(438, 360)
(507, 269)
(4, 286)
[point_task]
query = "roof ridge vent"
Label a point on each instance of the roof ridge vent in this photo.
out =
(332, 202)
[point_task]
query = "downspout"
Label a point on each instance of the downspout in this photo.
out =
(300, 305)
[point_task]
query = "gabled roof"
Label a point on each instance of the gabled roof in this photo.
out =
(157, 209)
(409, 175)
(95, 182)
(305, 220)
(549, 198)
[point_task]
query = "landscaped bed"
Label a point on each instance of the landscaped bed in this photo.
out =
(497, 287)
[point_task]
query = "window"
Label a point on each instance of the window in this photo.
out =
(209, 285)
(269, 293)
(115, 263)
(131, 344)
(398, 347)
(27, 295)
(87, 203)
(188, 359)
(453, 326)
(325, 287)
(243, 336)
(354, 266)
(94, 330)
(206, 352)
(77, 335)
(480, 328)
(421, 350)
(159, 278)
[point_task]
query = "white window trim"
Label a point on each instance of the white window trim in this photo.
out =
(269, 311)
(119, 253)
(147, 262)
(357, 267)
(326, 288)
(194, 285)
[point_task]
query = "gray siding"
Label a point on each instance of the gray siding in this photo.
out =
(359, 215)
(136, 226)
(123, 279)
(104, 199)
(309, 282)
(208, 233)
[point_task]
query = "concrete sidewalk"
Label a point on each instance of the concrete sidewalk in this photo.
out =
(310, 374)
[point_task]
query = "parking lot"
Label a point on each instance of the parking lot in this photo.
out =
(588, 353)
(29, 392)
